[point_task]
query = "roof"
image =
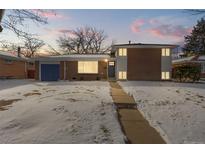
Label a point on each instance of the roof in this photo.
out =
(10, 56)
(137, 45)
(190, 59)
(201, 58)
(73, 57)
(182, 60)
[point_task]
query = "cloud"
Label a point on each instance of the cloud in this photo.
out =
(166, 30)
(64, 30)
(136, 25)
(48, 14)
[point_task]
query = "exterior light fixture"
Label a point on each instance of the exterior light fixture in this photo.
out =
(106, 60)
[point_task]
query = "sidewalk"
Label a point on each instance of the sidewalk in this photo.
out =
(134, 125)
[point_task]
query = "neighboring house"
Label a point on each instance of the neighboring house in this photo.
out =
(193, 59)
(129, 62)
(12, 66)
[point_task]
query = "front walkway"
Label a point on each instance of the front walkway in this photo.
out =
(134, 125)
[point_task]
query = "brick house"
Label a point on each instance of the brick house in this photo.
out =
(127, 62)
(12, 66)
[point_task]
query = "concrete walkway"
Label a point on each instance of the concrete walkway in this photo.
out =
(134, 125)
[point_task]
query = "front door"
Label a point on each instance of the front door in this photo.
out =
(111, 69)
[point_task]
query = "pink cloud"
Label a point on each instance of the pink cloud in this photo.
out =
(170, 30)
(48, 14)
(154, 21)
(136, 25)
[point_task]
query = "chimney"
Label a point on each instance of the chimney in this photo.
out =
(19, 52)
(129, 42)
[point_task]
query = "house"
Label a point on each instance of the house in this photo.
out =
(192, 59)
(128, 62)
(143, 61)
(72, 67)
(12, 66)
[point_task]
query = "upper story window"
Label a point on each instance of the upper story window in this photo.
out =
(122, 52)
(165, 51)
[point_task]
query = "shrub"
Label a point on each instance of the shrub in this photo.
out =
(186, 72)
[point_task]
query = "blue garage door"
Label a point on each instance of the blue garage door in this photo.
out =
(50, 72)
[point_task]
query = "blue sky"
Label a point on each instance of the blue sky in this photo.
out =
(145, 26)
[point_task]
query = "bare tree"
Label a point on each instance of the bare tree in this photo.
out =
(31, 45)
(84, 40)
(15, 19)
(8, 46)
(51, 50)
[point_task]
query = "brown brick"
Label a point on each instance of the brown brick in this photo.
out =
(144, 64)
(17, 69)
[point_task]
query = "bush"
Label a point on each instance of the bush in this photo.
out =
(186, 72)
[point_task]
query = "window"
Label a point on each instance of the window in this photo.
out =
(111, 63)
(88, 67)
(7, 61)
(165, 52)
(122, 75)
(165, 75)
(122, 52)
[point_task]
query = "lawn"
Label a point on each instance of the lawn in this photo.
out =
(57, 112)
(176, 110)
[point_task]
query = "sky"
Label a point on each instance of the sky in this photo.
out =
(139, 26)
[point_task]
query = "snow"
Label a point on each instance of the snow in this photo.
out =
(176, 110)
(183, 59)
(58, 112)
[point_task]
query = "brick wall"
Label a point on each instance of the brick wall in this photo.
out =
(144, 64)
(13, 69)
(37, 70)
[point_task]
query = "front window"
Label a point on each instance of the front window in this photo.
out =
(165, 75)
(90, 67)
(165, 51)
(122, 52)
(122, 75)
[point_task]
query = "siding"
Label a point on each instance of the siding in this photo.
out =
(144, 63)
(17, 69)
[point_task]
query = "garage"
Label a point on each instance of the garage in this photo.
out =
(50, 72)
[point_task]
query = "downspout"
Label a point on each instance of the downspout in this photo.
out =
(1, 17)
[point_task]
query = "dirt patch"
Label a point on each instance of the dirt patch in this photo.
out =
(31, 94)
(5, 103)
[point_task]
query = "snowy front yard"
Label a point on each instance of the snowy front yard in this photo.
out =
(57, 112)
(176, 110)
